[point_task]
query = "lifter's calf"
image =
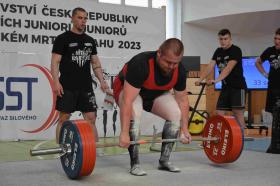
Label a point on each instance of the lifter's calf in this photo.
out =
(133, 150)
(94, 130)
(239, 115)
(170, 131)
(91, 118)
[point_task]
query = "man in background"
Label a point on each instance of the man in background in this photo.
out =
(228, 58)
(272, 54)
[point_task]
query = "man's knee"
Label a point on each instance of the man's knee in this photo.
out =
(238, 112)
(63, 117)
(174, 115)
(90, 117)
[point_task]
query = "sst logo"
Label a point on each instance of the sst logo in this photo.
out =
(26, 81)
(27, 99)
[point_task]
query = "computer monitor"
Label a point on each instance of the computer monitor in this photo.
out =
(254, 79)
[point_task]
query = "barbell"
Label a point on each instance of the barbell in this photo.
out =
(222, 142)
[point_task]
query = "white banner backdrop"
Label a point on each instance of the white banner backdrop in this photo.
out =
(28, 29)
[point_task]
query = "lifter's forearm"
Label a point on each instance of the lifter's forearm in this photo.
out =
(97, 69)
(183, 103)
(99, 74)
(125, 116)
(226, 71)
(223, 75)
(55, 67)
(55, 72)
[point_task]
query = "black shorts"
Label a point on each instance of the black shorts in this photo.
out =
(76, 100)
(231, 98)
(271, 98)
(148, 105)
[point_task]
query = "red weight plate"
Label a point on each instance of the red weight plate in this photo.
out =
(72, 162)
(92, 146)
(89, 151)
(238, 140)
(230, 143)
(85, 167)
(89, 147)
(88, 131)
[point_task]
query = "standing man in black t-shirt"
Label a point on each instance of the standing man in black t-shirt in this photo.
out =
(144, 83)
(228, 58)
(72, 55)
(272, 54)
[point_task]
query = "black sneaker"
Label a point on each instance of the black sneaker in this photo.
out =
(168, 166)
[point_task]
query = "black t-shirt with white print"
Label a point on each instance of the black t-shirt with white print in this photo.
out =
(74, 67)
(222, 56)
(273, 56)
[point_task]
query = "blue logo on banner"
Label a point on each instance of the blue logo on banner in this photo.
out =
(28, 81)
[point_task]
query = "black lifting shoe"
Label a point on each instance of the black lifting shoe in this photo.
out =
(168, 166)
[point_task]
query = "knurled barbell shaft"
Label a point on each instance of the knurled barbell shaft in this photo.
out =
(67, 148)
(141, 142)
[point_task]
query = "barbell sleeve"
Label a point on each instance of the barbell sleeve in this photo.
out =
(62, 149)
(39, 152)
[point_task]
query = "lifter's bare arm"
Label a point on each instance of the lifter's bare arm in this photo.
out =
(181, 98)
(129, 95)
(55, 60)
(97, 69)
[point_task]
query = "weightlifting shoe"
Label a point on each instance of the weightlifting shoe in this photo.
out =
(136, 170)
(168, 166)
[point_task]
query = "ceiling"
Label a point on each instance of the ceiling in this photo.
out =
(262, 22)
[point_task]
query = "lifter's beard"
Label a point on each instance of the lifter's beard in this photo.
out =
(167, 73)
